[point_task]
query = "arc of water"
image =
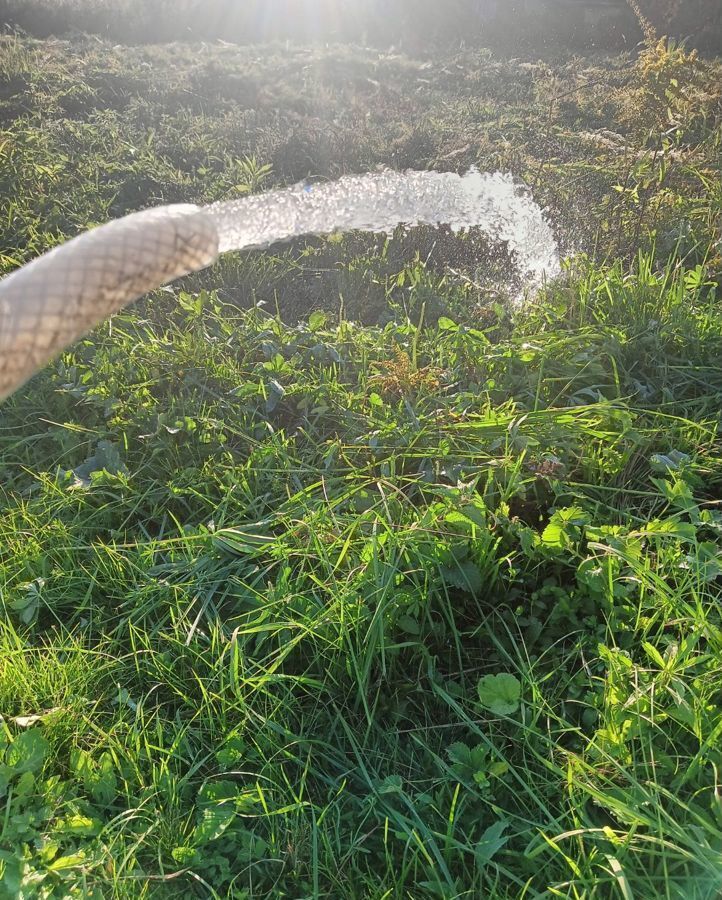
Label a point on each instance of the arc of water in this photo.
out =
(54, 300)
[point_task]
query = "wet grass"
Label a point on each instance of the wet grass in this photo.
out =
(325, 575)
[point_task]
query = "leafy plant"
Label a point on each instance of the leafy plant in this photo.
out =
(500, 693)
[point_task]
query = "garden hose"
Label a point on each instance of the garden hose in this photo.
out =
(48, 304)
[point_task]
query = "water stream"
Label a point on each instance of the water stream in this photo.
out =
(503, 209)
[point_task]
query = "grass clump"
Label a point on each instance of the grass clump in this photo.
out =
(425, 605)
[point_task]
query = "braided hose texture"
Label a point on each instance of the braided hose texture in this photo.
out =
(56, 299)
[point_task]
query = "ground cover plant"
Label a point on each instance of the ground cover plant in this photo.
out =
(327, 572)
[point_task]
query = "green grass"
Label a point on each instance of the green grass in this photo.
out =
(262, 564)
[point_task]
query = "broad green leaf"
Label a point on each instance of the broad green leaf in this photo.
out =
(27, 604)
(465, 576)
(409, 625)
(275, 392)
(500, 693)
(105, 459)
(27, 752)
(103, 784)
(48, 851)
(231, 752)
(67, 862)
(392, 784)
(475, 512)
(79, 825)
(685, 531)
(216, 811)
(470, 764)
(25, 785)
(316, 320)
(572, 515)
(563, 527)
(677, 492)
(554, 536)
(490, 843)
(213, 821)
(11, 874)
(669, 462)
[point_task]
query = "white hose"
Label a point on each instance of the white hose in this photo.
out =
(56, 299)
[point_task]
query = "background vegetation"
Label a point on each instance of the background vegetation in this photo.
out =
(417, 24)
(323, 573)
